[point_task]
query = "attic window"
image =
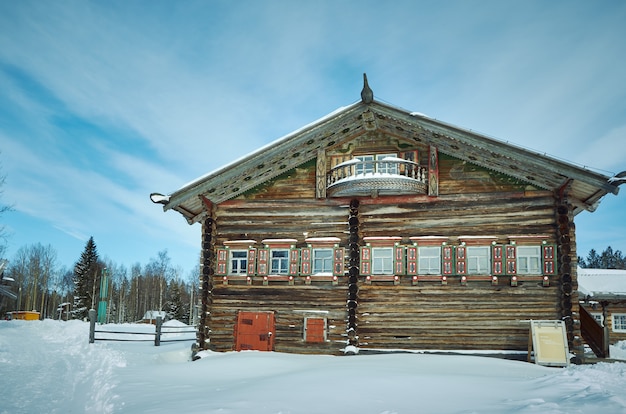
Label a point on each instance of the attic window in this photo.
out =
(369, 166)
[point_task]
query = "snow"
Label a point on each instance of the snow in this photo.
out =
(153, 314)
(159, 198)
(396, 159)
(594, 282)
(49, 366)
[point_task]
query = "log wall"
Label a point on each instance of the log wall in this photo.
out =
(452, 317)
(291, 304)
(390, 315)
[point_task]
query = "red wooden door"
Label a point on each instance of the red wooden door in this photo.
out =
(255, 331)
(315, 329)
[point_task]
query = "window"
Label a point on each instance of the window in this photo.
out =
(529, 260)
(382, 260)
(387, 167)
(322, 261)
(478, 260)
(368, 166)
(619, 322)
(598, 317)
(279, 262)
(429, 258)
(238, 262)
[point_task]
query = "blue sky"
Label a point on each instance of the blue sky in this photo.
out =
(102, 103)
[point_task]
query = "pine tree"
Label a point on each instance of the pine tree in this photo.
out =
(592, 261)
(609, 259)
(175, 307)
(85, 273)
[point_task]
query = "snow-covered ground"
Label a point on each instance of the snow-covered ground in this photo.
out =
(49, 367)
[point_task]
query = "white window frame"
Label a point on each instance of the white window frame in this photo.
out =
(428, 260)
(279, 261)
(598, 317)
(529, 260)
(369, 166)
(386, 168)
(478, 260)
(382, 260)
(326, 262)
(241, 261)
(619, 322)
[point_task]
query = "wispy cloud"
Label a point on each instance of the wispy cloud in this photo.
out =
(103, 103)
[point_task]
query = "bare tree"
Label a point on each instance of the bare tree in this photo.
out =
(33, 269)
(4, 208)
(161, 271)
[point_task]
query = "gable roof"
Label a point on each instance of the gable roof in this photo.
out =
(585, 187)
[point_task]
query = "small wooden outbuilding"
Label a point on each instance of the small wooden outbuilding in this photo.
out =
(377, 228)
(152, 315)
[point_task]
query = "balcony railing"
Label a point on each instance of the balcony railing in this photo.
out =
(388, 176)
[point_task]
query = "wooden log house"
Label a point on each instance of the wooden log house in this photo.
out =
(375, 228)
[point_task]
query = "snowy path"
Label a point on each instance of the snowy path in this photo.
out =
(54, 370)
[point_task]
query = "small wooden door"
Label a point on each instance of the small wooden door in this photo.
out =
(315, 329)
(255, 331)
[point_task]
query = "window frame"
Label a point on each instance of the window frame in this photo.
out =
(371, 166)
(327, 262)
(389, 168)
(599, 317)
(280, 270)
(243, 270)
(422, 256)
(524, 268)
(386, 259)
(367, 166)
(472, 258)
(621, 323)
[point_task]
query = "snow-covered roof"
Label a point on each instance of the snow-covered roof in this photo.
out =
(346, 124)
(602, 282)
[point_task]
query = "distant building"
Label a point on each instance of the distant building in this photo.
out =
(376, 228)
(602, 294)
(151, 316)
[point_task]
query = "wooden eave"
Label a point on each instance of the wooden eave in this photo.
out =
(615, 298)
(584, 188)
(268, 162)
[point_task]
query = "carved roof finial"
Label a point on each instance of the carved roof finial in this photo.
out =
(367, 95)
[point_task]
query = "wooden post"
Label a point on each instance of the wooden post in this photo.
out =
(157, 335)
(92, 326)
(606, 343)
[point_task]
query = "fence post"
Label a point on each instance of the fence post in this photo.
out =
(157, 335)
(92, 326)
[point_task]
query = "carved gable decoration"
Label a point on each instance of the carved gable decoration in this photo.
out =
(396, 149)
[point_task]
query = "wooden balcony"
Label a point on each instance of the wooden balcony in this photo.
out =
(389, 176)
